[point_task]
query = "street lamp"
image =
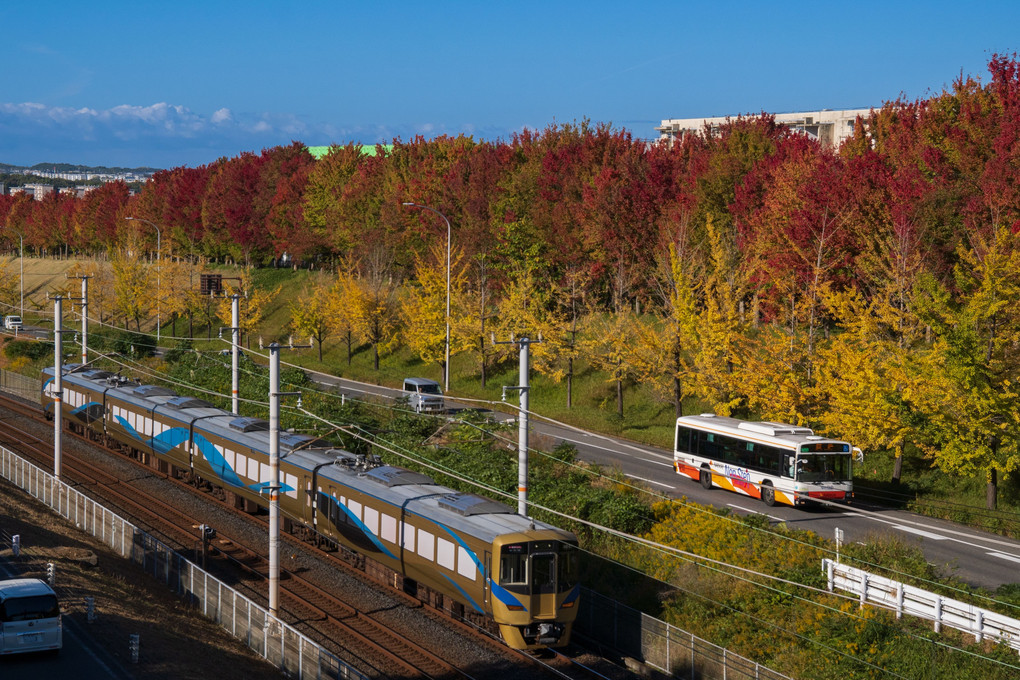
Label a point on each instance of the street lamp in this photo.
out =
(446, 366)
(159, 258)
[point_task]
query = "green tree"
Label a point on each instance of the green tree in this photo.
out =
(969, 392)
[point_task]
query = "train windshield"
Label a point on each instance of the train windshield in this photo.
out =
(538, 567)
(568, 569)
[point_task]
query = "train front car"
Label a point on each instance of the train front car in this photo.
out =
(535, 591)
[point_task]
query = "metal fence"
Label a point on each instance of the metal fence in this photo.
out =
(660, 645)
(279, 643)
(901, 598)
(601, 619)
(21, 385)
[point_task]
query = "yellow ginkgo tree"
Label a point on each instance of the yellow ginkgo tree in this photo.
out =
(423, 307)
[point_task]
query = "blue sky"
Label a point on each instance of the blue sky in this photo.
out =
(184, 83)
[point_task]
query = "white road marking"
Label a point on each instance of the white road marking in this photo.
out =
(651, 481)
(755, 512)
(920, 532)
(618, 452)
(1004, 556)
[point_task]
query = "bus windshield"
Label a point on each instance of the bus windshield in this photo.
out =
(823, 467)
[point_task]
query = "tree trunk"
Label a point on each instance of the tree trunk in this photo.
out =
(570, 382)
(992, 489)
(619, 391)
(897, 466)
(375, 355)
(678, 405)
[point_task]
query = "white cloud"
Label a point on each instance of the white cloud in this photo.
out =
(165, 135)
(222, 116)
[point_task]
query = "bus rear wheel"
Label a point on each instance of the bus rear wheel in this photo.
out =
(768, 495)
(706, 478)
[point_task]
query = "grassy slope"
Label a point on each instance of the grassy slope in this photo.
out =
(646, 418)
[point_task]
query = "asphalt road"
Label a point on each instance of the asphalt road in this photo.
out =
(975, 557)
(80, 658)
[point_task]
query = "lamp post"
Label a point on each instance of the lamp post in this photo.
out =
(446, 365)
(159, 259)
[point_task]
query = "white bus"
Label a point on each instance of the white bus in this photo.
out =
(29, 617)
(775, 462)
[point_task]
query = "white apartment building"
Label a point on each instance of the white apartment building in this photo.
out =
(827, 126)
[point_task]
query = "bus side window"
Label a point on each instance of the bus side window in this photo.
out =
(684, 441)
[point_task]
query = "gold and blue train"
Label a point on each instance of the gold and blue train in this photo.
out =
(518, 572)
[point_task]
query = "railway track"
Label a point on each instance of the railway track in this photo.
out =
(374, 645)
(388, 653)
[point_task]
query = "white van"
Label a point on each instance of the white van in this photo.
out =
(29, 617)
(12, 323)
(424, 396)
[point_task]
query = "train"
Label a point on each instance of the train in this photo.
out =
(518, 573)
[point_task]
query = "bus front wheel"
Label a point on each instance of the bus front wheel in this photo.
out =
(768, 495)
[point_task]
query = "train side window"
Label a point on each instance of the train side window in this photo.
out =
(426, 545)
(372, 520)
(388, 528)
(355, 508)
(407, 535)
(465, 565)
(445, 553)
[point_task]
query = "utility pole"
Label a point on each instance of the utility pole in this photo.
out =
(58, 383)
(274, 475)
(84, 300)
(235, 340)
(522, 419)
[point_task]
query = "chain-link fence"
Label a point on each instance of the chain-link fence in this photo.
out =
(21, 385)
(656, 643)
(280, 644)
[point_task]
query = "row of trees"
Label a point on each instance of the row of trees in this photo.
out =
(869, 289)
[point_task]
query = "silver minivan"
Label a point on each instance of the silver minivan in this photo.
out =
(424, 395)
(29, 617)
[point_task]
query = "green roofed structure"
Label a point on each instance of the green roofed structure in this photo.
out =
(320, 151)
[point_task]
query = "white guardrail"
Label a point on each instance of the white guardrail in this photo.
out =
(983, 624)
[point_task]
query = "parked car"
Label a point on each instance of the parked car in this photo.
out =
(424, 395)
(12, 323)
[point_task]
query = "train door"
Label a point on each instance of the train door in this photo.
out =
(485, 580)
(543, 582)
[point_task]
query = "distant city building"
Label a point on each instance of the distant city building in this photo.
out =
(828, 127)
(39, 191)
